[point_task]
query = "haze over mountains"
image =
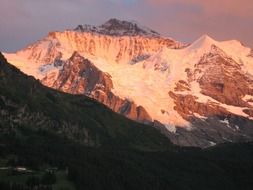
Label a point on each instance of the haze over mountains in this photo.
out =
(197, 94)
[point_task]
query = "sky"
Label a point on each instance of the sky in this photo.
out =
(25, 21)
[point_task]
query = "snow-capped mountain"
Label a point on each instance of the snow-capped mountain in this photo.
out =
(131, 47)
(200, 94)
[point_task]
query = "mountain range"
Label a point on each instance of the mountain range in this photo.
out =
(85, 145)
(198, 94)
(119, 106)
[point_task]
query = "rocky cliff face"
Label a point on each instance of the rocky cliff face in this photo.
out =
(116, 41)
(115, 27)
(224, 79)
(79, 76)
(220, 78)
(224, 83)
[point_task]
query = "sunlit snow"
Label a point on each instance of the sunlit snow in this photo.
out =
(147, 82)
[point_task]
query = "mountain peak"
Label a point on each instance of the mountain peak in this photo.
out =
(113, 21)
(204, 42)
(75, 54)
(76, 57)
(116, 27)
(206, 37)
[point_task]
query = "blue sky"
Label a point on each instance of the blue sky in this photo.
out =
(25, 21)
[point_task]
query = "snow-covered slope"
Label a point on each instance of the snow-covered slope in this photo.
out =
(176, 65)
(173, 85)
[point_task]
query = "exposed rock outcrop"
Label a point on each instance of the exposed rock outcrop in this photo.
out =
(223, 79)
(220, 78)
(224, 84)
(187, 105)
(117, 27)
(79, 76)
